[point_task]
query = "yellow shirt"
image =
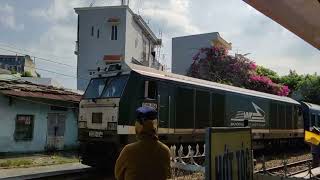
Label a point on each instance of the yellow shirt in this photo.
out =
(143, 160)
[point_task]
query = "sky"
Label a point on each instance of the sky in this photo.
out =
(46, 29)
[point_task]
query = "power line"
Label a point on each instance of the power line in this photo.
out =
(32, 52)
(46, 70)
(58, 73)
(38, 58)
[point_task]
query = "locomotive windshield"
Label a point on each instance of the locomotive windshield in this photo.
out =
(106, 87)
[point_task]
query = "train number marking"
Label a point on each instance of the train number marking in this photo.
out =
(153, 105)
(98, 134)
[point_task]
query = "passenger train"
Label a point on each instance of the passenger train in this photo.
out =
(186, 107)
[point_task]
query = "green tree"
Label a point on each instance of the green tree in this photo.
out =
(26, 74)
(292, 80)
(309, 88)
(13, 72)
(262, 71)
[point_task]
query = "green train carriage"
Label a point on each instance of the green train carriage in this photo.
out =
(186, 107)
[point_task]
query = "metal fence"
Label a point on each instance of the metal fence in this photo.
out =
(187, 162)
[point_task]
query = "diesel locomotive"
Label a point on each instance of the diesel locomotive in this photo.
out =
(186, 107)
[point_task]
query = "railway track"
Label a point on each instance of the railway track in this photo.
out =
(288, 169)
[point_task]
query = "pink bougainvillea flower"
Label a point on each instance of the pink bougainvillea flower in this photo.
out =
(238, 71)
(252, 66)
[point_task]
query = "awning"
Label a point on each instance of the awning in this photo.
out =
(298, 16)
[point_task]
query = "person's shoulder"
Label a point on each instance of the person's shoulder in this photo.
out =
(163, 146)
(130, 146)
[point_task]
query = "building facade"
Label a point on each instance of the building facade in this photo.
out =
(37, 118)
(185, 47)
(43, 81)
(112, 34)
(19, 64)
(4, 71)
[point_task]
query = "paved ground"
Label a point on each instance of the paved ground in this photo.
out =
(20, 173)
(55, 166)
(37, 159)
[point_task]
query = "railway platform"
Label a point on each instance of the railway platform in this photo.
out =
(43, 171)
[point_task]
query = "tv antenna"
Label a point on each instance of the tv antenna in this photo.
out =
(92, 3)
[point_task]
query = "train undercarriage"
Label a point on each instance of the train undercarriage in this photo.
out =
(102, 153)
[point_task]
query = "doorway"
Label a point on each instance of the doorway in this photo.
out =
(56, 129)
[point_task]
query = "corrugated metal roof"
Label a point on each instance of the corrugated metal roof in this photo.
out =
(199, 82)
(312, 106)
(27, 89)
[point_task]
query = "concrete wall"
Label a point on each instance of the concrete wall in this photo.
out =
(40, 111)
(29, 66)
(134, 34)
(43, 81)
(92, 49)
(184, 48)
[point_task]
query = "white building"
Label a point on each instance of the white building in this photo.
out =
(185, 47)
(111, 34)
(18, 64)
(43, 81)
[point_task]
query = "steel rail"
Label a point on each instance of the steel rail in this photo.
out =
(277, 168)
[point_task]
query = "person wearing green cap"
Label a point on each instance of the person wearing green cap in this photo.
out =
(148, 158)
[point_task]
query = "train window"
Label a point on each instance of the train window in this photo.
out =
(115, 86)
(313, 120)
(95, 88)
(97, 117)
(150, 90)
(202, 109)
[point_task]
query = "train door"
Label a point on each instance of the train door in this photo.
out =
(313, 120)
(164, 104)
(218, 109)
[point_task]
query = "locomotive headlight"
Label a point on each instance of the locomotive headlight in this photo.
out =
(82, 124)
(112, 126)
